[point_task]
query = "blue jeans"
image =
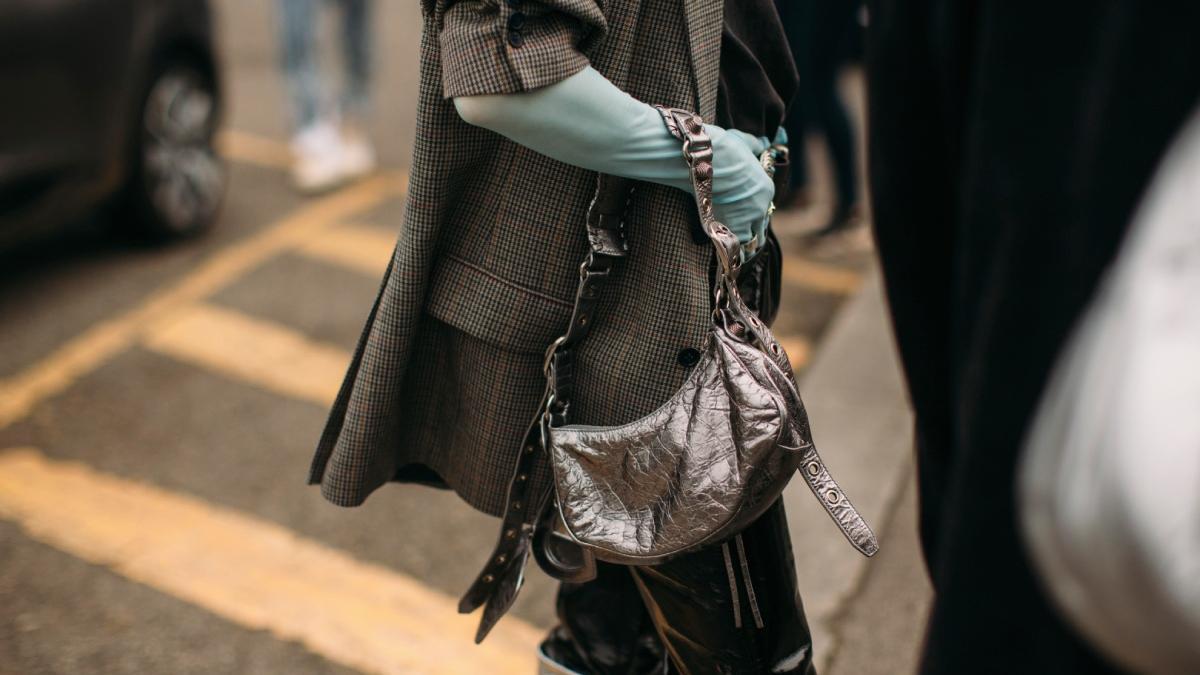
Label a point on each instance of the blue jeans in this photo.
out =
(308, 91)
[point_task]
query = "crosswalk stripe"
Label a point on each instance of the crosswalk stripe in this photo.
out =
(365, 249)
(89, 350)
(280, 359)
(254, 573)
(820, 276)
(252, 350)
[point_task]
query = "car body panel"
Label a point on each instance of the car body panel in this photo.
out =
(73, 73)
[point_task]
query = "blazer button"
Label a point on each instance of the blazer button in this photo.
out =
(688, 357)
(516, 39)
(516, 21)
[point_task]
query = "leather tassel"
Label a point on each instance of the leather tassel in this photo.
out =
(741, 547)
(733, 591)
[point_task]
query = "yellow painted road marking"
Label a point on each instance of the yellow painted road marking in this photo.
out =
(365, 249)
(247, 148)
(263, 353)
(254, 573)
(821, 277)
(798, 349)
(95, 346)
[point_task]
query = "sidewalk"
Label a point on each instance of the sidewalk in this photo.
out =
(867, 616)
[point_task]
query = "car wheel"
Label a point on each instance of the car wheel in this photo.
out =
(178, 180)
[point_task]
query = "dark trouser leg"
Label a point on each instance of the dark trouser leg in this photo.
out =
(692, 605)
(689, 602)
(796, 17)
(604, 628)
(833, 20)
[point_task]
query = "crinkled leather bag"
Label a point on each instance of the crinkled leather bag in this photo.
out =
(696, 471)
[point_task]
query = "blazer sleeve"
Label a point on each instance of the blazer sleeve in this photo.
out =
(509, 46)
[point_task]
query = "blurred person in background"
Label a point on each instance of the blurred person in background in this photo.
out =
(330, 145)
(822, 34)
(522, 103)
(1009, 146)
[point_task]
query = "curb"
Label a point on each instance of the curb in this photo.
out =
(862, 424)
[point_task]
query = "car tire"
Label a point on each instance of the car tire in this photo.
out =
(176, 179)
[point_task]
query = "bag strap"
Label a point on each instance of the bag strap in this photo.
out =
(497, 584)
(688, 127)
(606, 237)
(697, 149)
(607, 243)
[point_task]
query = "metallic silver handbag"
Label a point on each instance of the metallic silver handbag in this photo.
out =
(694, 472)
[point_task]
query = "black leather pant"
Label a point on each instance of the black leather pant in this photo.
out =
(680, 616)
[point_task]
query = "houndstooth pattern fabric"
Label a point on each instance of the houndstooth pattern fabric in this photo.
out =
(474, 41)
(448, 372)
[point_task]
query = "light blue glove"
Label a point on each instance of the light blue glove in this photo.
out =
(586, 121)
(757, 146)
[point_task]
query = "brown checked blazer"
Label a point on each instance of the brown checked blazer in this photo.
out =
(448, 371)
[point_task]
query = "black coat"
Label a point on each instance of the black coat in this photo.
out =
(1010, 143)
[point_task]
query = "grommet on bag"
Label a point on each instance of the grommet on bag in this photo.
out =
(688, 357)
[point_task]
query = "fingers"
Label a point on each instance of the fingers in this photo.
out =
(755, 144)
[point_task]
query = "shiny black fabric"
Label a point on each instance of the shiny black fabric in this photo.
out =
(620, 623)
(758, 74)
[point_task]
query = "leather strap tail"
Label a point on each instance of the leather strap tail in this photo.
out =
(497, 585)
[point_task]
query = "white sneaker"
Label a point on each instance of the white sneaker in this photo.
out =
(317, 158)
(358, 155)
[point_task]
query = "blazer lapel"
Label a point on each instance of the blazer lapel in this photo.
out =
(705, 20)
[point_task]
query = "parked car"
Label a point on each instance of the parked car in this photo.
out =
(109, 103)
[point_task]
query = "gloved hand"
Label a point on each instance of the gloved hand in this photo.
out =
(759, 144)
(755, 144)
(743, 207)
(586, 121)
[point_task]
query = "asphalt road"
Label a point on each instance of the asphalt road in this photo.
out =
(158, 408)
